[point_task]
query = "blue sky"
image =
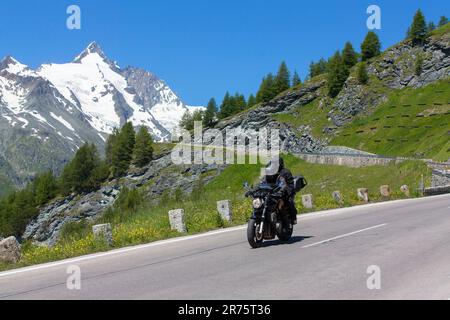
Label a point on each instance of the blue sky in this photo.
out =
(202, 47)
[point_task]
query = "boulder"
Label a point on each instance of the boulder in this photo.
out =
(10, 250)
(363, 194)
(307, 201)
(176, 219)
(224, 209)
(385, 191)
(103, 232)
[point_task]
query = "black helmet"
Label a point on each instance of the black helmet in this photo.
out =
(273, 167)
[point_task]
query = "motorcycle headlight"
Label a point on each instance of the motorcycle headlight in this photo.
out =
(257, 203)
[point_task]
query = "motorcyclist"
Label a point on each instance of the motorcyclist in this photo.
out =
(277, 173)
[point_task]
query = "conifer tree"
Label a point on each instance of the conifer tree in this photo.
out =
(143, 148)
(371, 46)
(110, 142)
(77, 174)
(226, 106)
(362, 74)
(45, 187)
(267, 90)
(442, 21)
(318, 68)
(187, 121)
(418, 29)
(251, 101)
(337, 74)
(349, 56)
(123, 150)
(282, 79)
(210, 113)
(296, 79)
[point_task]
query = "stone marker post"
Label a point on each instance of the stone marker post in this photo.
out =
(363, 194)
(307, 201)
(176, 218)
(337, 197)
(385, 191)
(103, 232)
(405, 190)
(224, 209)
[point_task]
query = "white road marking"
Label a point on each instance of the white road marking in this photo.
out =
(344, 235)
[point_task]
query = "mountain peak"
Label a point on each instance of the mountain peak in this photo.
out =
(92, 48)
(6, 61)
(11, 65)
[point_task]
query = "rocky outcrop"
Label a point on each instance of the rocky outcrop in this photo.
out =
(262, 117)
(395, 69)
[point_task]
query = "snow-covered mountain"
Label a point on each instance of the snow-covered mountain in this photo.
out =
(47, 113)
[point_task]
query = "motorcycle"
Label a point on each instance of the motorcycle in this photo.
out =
(270, 217)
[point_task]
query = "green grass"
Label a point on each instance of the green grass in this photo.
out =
(308, 115)
(412, 123)
(441, 31)
(150, 222)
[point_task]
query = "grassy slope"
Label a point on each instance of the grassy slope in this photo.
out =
(412, 123)
(391, 128)
(150, 223)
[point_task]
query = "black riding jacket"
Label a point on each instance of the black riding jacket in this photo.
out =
(285, 180)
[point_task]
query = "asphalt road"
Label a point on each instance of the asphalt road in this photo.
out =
(328, 258)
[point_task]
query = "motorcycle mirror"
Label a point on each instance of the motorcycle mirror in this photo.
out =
(245, 184)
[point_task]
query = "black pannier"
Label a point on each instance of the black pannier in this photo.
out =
(299, 183)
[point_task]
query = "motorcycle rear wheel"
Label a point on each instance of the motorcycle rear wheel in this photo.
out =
(287, 235)
(252, 234)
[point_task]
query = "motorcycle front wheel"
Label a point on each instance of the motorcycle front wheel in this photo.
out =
(254, 239)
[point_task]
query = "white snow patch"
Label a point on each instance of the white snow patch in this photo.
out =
(61, 120)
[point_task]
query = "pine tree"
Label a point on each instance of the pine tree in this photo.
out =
(187, 121)
(110, 142)
(296, 81)
(77, 174)
(349, 56)
(143, 148)
(363, 76)
(251, 101)
(282, 79)
(226, 106)
(267, 90)
(239, 103)
(337, 75)
(442, 21)
(371, 46)
(45, 187)
(318, 68)
(210, 113)
(123, 150)
(418, 29)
